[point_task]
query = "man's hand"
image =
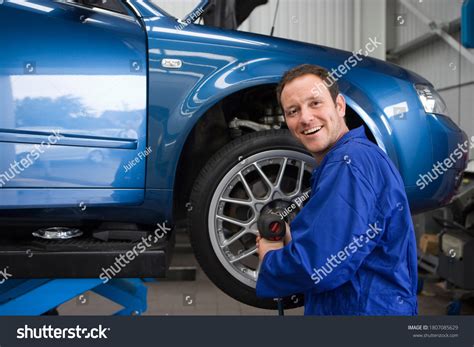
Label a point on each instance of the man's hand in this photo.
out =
(287, 234)
(264, 246)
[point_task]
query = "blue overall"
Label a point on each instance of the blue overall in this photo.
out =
(353, 249)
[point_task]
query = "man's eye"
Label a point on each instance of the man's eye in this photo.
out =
(315, 103)
(290, 112)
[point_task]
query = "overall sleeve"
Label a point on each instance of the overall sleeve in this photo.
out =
(335, 231)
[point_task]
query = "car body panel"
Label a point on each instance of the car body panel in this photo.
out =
(81, 199)
(80, 73)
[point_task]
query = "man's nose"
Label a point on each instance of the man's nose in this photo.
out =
(306, 115)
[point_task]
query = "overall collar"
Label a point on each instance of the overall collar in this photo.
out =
(356, 133)
(351, 134)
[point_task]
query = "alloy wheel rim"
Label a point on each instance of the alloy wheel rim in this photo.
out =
(261, 181)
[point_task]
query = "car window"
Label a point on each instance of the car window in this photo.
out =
(111, 5)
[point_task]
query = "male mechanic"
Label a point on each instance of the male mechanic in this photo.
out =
(352, 248)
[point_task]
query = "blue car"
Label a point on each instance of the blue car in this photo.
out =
(120, 124)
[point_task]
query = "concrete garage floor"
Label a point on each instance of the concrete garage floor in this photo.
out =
(202, 297)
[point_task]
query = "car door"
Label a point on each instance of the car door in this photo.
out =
(73, 82)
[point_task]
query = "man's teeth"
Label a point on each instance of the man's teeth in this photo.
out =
(312, 130)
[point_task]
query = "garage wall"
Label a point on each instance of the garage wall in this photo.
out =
(343, 24)
(441, 11)
(308, 21)
(433, 58)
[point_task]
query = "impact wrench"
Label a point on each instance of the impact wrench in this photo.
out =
(272, 228)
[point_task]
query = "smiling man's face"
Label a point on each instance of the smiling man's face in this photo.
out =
(313, 118)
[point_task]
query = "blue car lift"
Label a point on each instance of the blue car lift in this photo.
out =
(33, 297)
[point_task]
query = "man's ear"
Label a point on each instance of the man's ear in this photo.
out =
(341, 105)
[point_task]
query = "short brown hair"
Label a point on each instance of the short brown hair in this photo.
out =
(308, 69)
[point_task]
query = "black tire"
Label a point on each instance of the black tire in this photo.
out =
(202, 193)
